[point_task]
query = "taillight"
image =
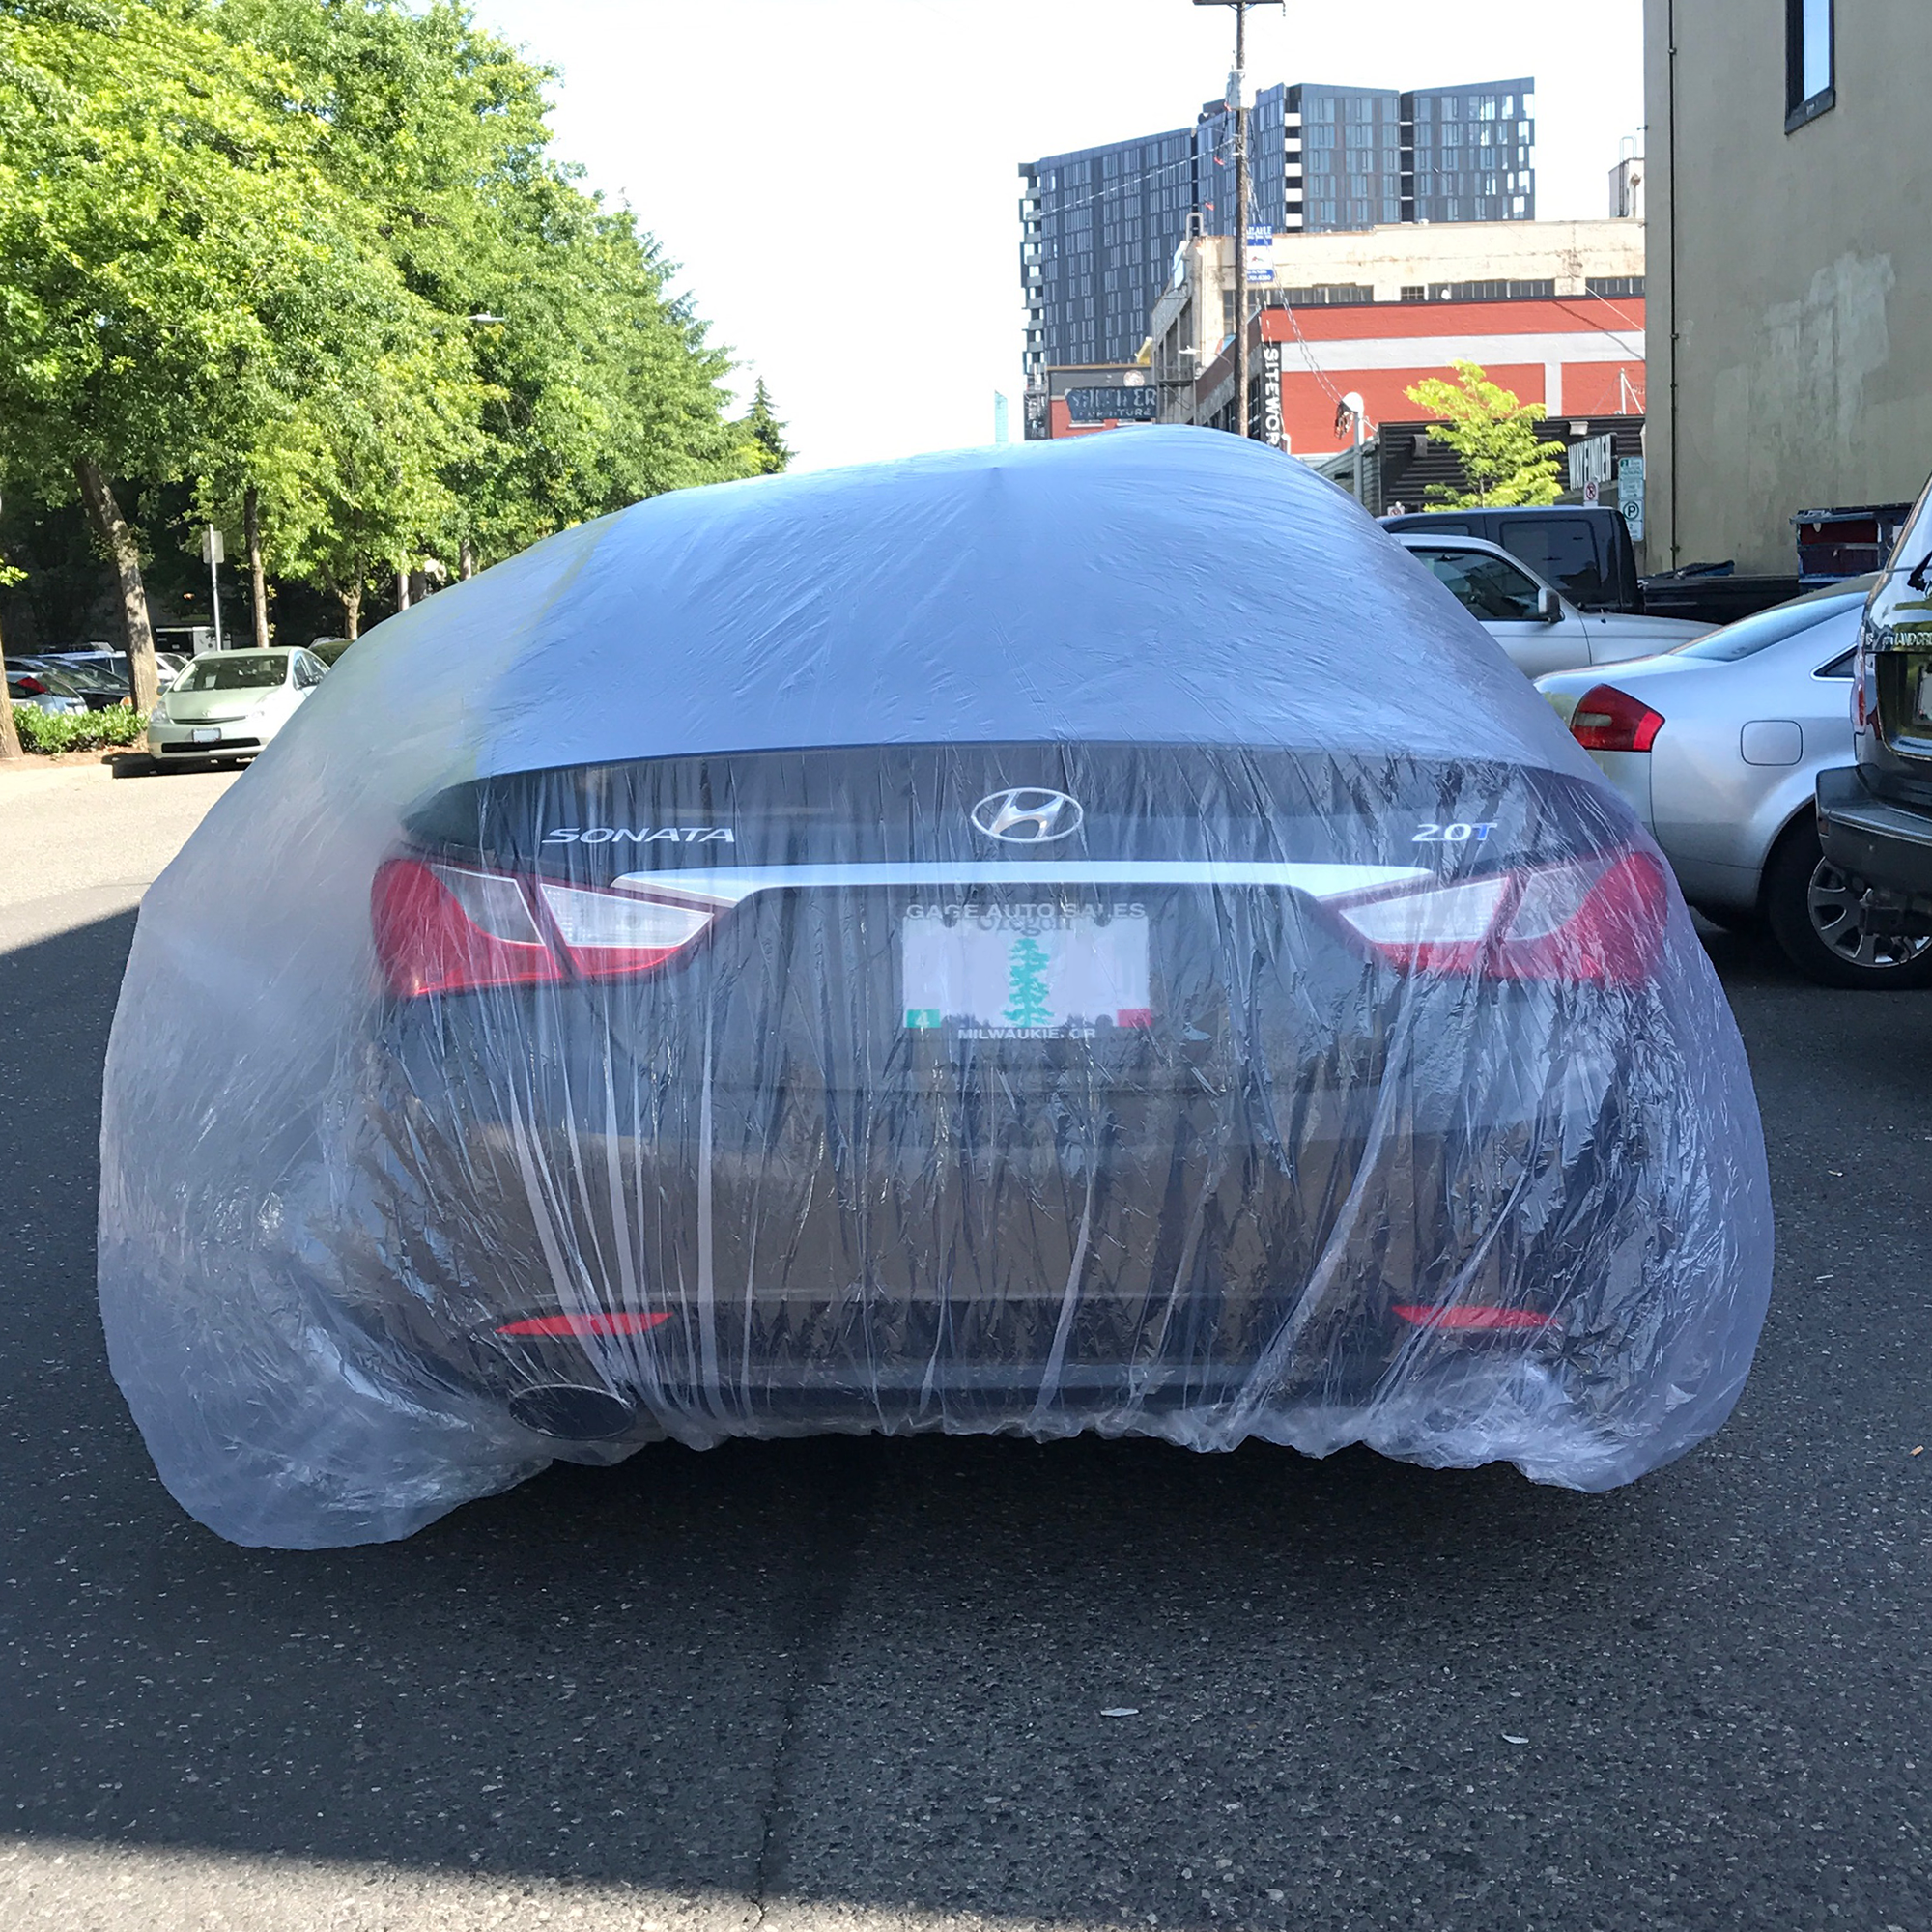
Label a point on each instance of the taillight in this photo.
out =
(446, 929)
(449, 928)
(612, 932)
(600, 1322)
(1609, 720)
(1587, 920)
(1473, 1318)
(31, 686)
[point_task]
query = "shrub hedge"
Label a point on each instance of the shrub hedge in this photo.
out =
(49, 732)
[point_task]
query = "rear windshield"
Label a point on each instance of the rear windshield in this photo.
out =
(221, 671)
(1765, 628)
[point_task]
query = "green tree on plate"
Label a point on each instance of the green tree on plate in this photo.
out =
(1026, 983)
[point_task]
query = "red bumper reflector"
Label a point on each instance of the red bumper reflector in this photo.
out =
(1491, 1319)
(615, 1322)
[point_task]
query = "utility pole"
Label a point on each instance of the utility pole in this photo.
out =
(1238, 102)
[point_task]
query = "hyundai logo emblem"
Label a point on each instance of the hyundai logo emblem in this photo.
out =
(1027, 816)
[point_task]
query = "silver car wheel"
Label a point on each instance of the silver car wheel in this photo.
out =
(1839, 918)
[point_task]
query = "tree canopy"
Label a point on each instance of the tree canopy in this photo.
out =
(316, 256)
(1493, 436)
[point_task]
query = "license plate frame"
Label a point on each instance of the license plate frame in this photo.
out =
(206, 734)
(1033, 971)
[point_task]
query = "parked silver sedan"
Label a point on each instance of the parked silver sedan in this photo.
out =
(1718, 745)
(228, 704)
(1535, 623)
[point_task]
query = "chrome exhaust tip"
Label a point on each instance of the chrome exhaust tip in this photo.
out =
(572, 1412)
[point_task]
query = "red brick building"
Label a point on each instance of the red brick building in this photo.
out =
(1578, 355)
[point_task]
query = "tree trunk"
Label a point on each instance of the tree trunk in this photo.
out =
(10, 734)
(251, 524)
(466, 562)
(403, 588)
(125, 554)
(351, 611)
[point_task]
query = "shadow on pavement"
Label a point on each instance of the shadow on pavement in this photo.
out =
(874, 1673)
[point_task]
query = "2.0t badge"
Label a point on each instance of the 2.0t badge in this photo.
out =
(1028, 815)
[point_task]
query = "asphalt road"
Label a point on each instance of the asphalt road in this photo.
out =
(861, 1683)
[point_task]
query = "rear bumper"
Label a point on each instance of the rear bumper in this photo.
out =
(821, 1259)
(1887, 845)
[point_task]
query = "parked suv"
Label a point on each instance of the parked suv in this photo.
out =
(1875, 817)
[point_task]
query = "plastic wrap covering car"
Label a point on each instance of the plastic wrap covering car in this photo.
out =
(1033, 940)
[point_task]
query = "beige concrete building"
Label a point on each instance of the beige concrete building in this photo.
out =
(1405, 262)
(1790, 276)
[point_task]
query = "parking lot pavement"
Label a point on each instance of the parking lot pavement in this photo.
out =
(81, 841)
(865, 1682)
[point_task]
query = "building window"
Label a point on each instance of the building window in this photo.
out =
(1612, 286)
(1809, 61)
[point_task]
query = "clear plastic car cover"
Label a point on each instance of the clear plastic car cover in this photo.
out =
(1077, 936)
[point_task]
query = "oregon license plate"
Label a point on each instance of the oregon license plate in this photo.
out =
(1026, 972)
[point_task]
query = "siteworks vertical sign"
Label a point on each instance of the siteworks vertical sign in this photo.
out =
(1270, 428)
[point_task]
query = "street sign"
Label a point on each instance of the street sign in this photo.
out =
(212, 552)
(1261, 256)
(1630, 495)
(1591, 461)
(1591, 487)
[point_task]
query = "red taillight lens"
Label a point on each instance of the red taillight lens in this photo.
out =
(1589, 921)
(444, 929)
(449, 929)
(1609, 720)
(604, 1321)
(31, 686)
(1473, 1319)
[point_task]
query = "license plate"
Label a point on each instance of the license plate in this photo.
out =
(1924, 706)
(1026, 972)
(208, 734)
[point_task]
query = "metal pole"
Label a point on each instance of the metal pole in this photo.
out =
(1240, 217)
(215, 583)
(1359, 497)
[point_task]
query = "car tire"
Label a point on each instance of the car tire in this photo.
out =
(1813, 914)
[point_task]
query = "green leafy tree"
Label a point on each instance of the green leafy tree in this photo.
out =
(155, 184)
(1493, 436)
(314, 257)
(597, 386)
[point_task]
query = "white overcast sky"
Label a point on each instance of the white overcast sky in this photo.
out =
(837, 179)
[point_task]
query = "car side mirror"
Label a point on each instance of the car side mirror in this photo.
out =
(1549, 605)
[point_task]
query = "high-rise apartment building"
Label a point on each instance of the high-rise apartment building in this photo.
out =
(1100, 225)
(1098, 228)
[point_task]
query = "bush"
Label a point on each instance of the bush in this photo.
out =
(49, 732)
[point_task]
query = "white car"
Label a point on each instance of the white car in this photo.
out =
(1717, 747)
(1534, 622)
(228, 704)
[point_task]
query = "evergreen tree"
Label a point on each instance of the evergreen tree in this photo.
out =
(767, 431)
